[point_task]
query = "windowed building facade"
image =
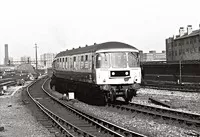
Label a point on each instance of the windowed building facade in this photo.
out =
(152, 56)
(185, 46)
(47, 59)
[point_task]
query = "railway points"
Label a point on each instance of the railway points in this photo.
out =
(60, 68)
(48, 125)
(102, 126)
(97, 111)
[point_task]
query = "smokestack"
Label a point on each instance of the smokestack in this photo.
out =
(181, 31)
(189, 29)
(6, 59)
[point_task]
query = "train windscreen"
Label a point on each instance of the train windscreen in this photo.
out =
(133, 60)
(118, 60)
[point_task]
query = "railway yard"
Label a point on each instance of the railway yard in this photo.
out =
(100, 69)
(152, 112)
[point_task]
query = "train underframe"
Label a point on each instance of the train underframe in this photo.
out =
(125, 91)
(87, 92)
(94, 94)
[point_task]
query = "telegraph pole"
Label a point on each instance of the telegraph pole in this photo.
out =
(36, 56)
(180, 72)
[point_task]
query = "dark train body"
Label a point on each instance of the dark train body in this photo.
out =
(184, 72)
(107, 71)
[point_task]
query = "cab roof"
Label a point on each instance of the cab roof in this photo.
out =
(95, 47)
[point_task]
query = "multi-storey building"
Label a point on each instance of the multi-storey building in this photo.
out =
(10, 61)
(152, 56)
(185, 46)
(47, 59)
(25, 59)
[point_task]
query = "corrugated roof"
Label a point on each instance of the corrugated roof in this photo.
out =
(95, 47)
(194, 33)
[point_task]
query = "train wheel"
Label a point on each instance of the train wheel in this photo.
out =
(127, 97)
(112, 95)
(105, 99)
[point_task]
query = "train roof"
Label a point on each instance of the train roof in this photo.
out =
(95, 47)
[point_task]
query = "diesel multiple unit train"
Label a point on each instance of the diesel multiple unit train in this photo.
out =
(107, 70)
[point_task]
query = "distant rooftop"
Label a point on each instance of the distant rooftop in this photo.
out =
(189, 32)
(194, 33)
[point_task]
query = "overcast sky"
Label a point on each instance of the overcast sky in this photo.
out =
(57, 25)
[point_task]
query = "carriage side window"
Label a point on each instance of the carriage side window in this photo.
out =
(60, 59)
(133, 59)
(81, 58)
(103, 60)
(63, 59)
(74, 59)
(86, 57)
(71, 63)
(66, 63)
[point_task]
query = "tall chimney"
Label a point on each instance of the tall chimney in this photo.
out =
(6, 55)
(189, 29)
(181, 31)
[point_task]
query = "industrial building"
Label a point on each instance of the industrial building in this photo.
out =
(25, 59)
(185, 46)
(152, 56)
(47, 59)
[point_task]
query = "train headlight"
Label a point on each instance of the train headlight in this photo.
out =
(126, 73)
(113, 73)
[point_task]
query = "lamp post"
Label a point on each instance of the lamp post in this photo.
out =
(36, 56)
(180, 72)
(180, 66)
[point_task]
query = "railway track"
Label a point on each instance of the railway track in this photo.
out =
(5, 79)
(70, 121)
(174, 87)
(12, 81)
(6, 83)
(170, 114)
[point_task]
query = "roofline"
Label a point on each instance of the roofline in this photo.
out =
(96, 47)
(187, 36)
(116, 50)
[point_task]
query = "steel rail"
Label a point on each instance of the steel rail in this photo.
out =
(7, 83)
(174, 87)
(188, 118)
(101, 124)
(60, 123)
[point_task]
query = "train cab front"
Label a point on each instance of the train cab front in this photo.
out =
(118, 74)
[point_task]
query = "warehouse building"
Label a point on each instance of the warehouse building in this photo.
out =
(25, 59)
(185, 46)
(47, 59)
(152, 56)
